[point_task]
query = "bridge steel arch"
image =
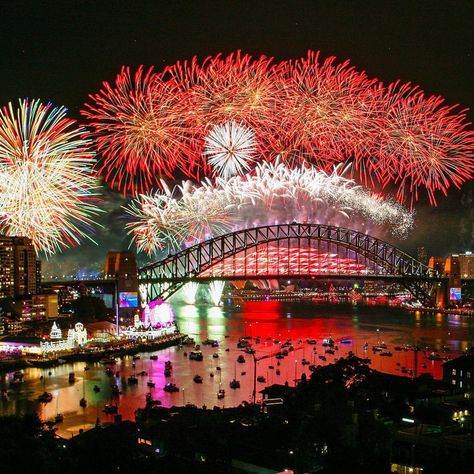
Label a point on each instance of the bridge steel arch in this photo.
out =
(380, 259)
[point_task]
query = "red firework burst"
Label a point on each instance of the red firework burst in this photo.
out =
(304, 110)
(140, 130)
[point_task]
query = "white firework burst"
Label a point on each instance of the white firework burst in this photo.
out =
(230, 149)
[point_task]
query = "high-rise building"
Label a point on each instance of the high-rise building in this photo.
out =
(39, 276)
(7, 263)
(24, 266)
(18, 267)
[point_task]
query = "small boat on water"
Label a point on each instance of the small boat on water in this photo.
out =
(434, 356)
(241, 359)
(114, 389)
(277, 371)
(221, 394)
(83, 402)
(386, 354)
(109, 371)
(86, 367)
(59, 418)
(153, 357)
(249, 350)
(329, 351)
(151, 384)
(243, 373)
(110, 408)
(304, 361)
(196, 355)
(218, 368)
(197, 379)
(322, 357)
(132, 380)
(234, 384)
(72, 377)
(45, 397)
(136, 357)
(188, 341)
(215, 355)
(328, 342)
(170, 388)
(61, 361)
(96, 389)
(142, 373)
(261, 379)
(311, 341)
(345, 340)
(167, 372)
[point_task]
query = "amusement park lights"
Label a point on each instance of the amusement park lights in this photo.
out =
(272, 193)
(47, 190)
(307, 111)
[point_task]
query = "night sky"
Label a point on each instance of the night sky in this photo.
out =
(62, 51)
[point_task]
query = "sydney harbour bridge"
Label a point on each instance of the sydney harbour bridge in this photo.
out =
(296, 251)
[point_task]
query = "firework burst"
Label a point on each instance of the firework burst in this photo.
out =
(47, 190)
(274, 193)
(230, 149)
(307, 111)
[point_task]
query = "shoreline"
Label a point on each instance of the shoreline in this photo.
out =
(167, 341)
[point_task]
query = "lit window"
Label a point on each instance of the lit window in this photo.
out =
(469, 375)
(453, 382)
(454, 372)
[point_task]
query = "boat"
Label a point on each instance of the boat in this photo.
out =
(96, 389)
(434, 356)
(227, 349)
(280, 356)
(234, 384)
(329, 351)
(115, 390)
(386, 354)
(261, 379)
(136, 357)
(211, 374)
(221, 394)
(170, 388)
(132, 380)
(153, 357)
(167, 372)
(345, 340)
(197, 379)
(249, 350)
(271, 367)
(83, 402)
(151, 384)
(215, 355)
(109, 371)
(59, 418)
(188, 341)
(86, 367)
(284, 352)
(305, 361)
(168, 364)
(218, 368)
(328, 342)
(45, 397)
(242, 344)
(215, 344)
(241, 359)
(196, 355)
(311, 341)
(142, 373)
(197, 347)
(277, 371)
(243, 373)
(377, 349)
(322, 357)
(110, 408)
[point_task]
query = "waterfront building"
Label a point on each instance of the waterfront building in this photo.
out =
(459, 372)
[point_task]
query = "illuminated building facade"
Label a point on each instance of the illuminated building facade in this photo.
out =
(25, 267)
(7, 263)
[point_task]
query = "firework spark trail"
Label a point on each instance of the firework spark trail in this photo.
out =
(192, 213)
(47, 190)
(307, 111)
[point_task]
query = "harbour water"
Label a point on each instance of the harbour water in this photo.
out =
(446, 335)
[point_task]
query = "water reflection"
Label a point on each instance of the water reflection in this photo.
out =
(265, 319)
